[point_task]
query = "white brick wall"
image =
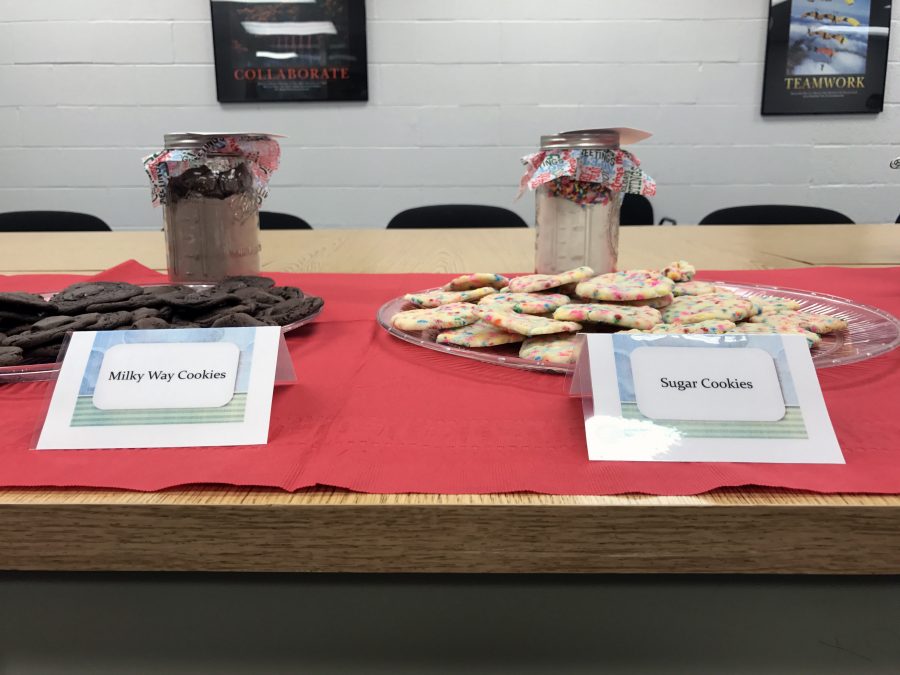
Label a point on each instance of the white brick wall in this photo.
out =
(459, 91)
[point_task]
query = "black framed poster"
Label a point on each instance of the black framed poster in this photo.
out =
(290, 50)
(826, 56)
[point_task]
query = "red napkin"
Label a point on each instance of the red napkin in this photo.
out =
(375, 414)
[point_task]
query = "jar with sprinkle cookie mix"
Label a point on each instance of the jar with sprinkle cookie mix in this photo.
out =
(579, 178)
(210, 186)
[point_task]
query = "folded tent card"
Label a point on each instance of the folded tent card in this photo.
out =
(165, 388)
(703, 398)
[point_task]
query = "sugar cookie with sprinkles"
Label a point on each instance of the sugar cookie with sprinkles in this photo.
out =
(531, 283)
(821, 323)
(643, 318)
(467, 282)
(773, 304)
(526, 303)
(657, 303)
(784, 329)
(680, 270)
(524, 324)
(575, 276)
(712, 327)
(438, 298)
(817, 323)
(629, 285)
(446, 316)
(694, 288)
(559, 350)
(478, 334)
(696, 308)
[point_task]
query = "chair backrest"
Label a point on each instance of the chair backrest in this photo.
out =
(775, 214)
(51, 221)
(455, 215)
(270, 220)
(636, 210)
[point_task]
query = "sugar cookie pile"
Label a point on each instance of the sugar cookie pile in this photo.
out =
(543, 312)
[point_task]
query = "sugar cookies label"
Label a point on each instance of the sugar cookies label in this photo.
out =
(671, 383)
(702, 398)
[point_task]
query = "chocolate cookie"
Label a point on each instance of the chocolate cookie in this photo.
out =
(16, 329)
(85, 321)
(239, 320)
(210, 317)
(51, 329)
(257, 296)
(32, 339)
(146, 313)
(167, 290)
(44, 353)
(233, 283)
(112, 320)
(179, 322)
(129, 304)
(78, 297)
(53, 322)
(150, 323)
(28, 303)
(286, 292)
(10, 356)
(290, 311)
(196, 303)
(8, 316)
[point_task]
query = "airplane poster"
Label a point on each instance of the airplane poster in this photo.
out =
(826, 56)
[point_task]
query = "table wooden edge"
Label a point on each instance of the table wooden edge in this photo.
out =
(237, 529)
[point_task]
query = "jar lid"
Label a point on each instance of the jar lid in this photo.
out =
(593, 138)
(191, 140)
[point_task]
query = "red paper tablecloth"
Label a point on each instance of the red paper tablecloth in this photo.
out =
(372, 413)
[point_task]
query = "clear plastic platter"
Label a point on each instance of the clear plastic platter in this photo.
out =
(870, 332)
(36, 372)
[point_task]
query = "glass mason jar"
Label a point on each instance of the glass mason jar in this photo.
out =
(211, 214)
(571, 234)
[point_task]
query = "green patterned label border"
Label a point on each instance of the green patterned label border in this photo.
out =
(789, 426)
(87, 415)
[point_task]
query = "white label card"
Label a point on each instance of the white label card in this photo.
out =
(156, 376)
(673, 383)
(704, 398)
(163, 388)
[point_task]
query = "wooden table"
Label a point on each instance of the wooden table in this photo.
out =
(241, 529)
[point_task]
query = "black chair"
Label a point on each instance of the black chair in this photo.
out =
(51, 221)
(455, 215)
(270, 220)
(636, 210)
(775, 214)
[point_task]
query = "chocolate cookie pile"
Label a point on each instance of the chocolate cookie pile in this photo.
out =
(32, 328)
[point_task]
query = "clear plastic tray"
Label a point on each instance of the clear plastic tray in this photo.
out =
(37, 372)
(870, 332)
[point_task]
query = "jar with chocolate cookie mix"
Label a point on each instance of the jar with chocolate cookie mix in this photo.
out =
(579, 178)
(210, 186)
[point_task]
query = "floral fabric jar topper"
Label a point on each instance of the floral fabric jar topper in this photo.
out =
(588, 175)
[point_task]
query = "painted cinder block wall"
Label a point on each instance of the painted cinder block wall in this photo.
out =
(459, 91)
